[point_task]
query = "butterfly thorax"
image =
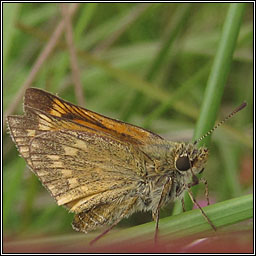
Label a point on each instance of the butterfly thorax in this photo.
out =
(173, 169)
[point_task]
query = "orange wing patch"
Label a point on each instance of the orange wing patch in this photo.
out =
(53, 105)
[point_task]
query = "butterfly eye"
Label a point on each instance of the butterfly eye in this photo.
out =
(183, 163)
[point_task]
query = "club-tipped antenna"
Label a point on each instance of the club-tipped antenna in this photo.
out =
(240, 107)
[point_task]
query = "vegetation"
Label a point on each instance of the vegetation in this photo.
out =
(146, 64)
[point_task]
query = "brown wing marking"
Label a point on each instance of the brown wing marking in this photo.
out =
(81, 168)
(104, 214)
(24, 128)
(46, 102)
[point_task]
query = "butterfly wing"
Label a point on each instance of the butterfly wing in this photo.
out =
(84, 159)
(82, 170)
(53, 105)
(104, 214)
(78, 168)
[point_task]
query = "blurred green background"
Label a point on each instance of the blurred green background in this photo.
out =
(146, 64)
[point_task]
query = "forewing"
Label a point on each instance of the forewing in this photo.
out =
(80, 169)
(81, 157)
(35, 122)
(53, 105)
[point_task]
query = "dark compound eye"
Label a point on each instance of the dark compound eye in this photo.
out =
(183, 163)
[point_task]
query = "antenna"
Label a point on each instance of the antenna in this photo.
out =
(240, 107)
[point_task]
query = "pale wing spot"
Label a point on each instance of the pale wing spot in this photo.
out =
(28, 161)
(54, 190)
(19, 140)
(73, 182)
(44, 122)
(24, 149)
(77, 205)
(41, 173)
(36, 144)
(63, 199)
(31, 133)
(17, 133)
(70, 151)
(53, 157)
(51, 187)
(44, 117)
(43, 127)
(80, 144)
(67, 173)
(36, 157)
(56, 164)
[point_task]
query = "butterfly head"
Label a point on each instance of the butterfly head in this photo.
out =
(189, 158)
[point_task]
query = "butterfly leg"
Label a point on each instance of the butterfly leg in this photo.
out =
(202, 211)
(123, 214)
(183, 205)
(206, 191)
(196, 181)
(155, 215)
(104, 232)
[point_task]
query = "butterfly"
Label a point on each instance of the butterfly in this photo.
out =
(99, 168)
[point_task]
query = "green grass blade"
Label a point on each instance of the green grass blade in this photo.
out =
(229, 152)
(217, 79)
(10, 11)
(179, 21)
(12, 187)
(87, 12)
(188, 223)
(219, 73)
(182, 90)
